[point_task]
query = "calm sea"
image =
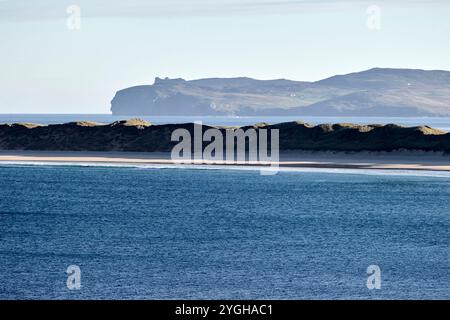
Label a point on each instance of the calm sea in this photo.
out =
(165, 233)
(439, 123)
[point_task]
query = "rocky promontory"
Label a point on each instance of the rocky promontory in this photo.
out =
(382, 92)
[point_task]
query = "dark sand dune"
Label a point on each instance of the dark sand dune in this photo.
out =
(140, 136)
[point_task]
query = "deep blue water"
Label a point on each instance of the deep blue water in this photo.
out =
(210, 234)
(439, 123)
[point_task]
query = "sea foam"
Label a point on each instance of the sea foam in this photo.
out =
(390, 172)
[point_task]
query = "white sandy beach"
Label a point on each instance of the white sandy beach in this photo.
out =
(399, 160)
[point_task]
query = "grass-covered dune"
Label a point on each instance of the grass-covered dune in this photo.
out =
(138, 135)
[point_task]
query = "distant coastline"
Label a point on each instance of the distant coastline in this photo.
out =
(375, 92)
(135, 141)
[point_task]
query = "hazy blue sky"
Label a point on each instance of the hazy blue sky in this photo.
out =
(48, 68)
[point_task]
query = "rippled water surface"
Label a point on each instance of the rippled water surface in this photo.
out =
(210, 234)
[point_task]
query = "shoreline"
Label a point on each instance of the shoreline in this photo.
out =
(396, 160)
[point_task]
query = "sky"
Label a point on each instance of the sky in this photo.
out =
(59, 56)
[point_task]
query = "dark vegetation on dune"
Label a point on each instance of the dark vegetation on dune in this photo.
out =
(140, 136)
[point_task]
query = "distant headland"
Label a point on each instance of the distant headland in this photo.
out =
(379, 92)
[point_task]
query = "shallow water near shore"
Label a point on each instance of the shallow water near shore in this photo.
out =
(231, 234)
(260, 169)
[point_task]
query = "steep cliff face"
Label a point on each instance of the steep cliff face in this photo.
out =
(178, 97)
(138, 135)
(375, 92)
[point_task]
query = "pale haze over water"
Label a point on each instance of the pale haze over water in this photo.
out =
(50, 68)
